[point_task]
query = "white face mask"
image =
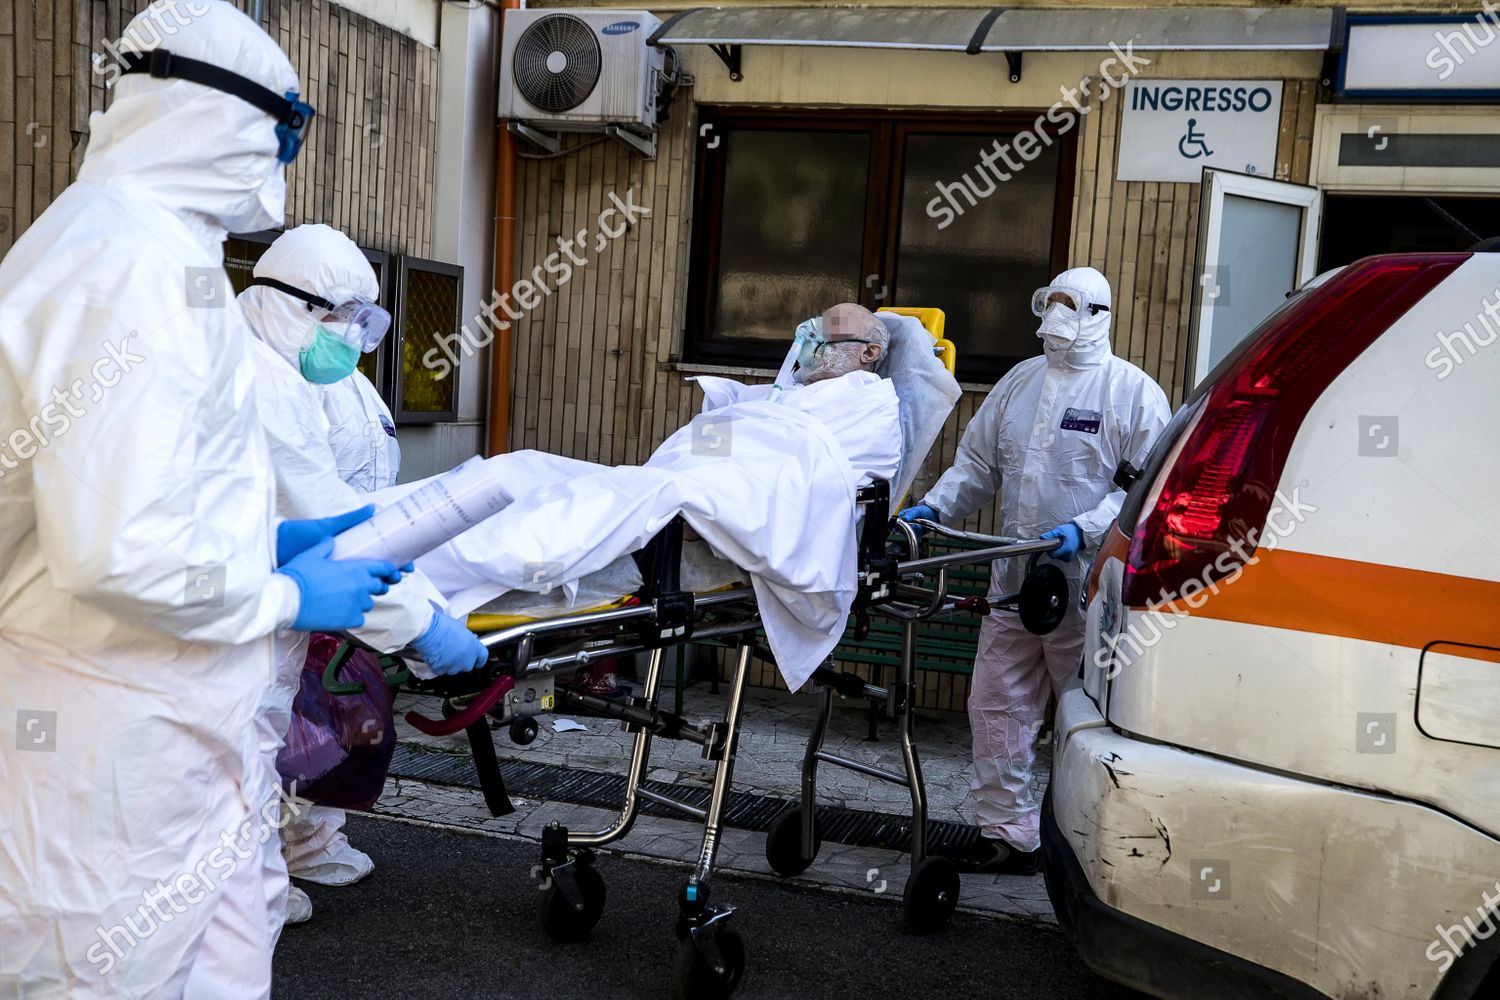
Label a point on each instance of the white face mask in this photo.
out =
(1059, 327)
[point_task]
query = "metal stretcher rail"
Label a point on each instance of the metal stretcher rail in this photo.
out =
(612, 616)
(1008, 550)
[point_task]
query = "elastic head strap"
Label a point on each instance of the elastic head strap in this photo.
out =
(164, 65)
(297, 293)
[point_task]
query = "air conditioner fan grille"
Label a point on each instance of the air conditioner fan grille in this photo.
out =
(556, 63)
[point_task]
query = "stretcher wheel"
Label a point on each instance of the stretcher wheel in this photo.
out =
(1043, 599)
(559, 919)
(784, 843)
(693, 978)
(931, 894)
(523, 730)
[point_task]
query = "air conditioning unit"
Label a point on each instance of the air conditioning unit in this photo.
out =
(583, 70)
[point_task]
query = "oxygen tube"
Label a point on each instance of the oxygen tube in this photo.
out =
(806, 333)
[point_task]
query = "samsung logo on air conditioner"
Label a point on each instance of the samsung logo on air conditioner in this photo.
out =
(620, 28)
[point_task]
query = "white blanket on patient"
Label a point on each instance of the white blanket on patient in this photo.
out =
(769, 485)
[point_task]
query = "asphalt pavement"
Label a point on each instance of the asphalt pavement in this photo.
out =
(452, 914)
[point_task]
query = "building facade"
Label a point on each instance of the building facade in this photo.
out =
(819, 153)
(817, 156)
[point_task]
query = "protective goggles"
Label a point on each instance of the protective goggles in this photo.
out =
(818, 345)
(1070, 298)
(292, 116)
(361, 323)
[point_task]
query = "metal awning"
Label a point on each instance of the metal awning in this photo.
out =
(999, 29)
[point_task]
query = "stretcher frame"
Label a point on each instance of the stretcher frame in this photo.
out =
(518, 685)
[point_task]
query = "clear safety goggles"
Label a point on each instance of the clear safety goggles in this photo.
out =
(1068, 298)
(292, 115)
(360, 322)
(819, 344)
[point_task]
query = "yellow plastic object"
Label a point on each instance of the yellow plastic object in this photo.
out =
(932, 318)
(481, 623)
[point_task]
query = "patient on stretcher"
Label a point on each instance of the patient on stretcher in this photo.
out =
(766, 479)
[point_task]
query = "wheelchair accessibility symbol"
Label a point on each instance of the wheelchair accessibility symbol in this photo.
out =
(1192, 139)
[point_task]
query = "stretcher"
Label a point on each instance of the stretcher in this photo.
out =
(531, 657)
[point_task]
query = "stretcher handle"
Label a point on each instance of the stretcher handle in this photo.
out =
(967, 536)
(468, 715)
(331, 682)
(1006, 551)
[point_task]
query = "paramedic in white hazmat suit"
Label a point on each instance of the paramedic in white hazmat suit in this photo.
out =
(1048, 440)
(311, 306)
(142, 572)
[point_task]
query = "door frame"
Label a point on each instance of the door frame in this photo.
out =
(1216, 185)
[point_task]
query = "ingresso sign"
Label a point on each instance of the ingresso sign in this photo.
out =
(1172, 129)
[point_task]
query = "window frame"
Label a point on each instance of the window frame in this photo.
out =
(385, 353)
(879, 252)
(404, 265)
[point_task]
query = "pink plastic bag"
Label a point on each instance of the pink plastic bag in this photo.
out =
(340, 745)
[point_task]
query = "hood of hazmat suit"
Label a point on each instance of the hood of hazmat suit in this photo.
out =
(317, 259)
(137, 598)
(1049, 436)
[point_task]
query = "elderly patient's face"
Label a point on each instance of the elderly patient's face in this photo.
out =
(853, 340)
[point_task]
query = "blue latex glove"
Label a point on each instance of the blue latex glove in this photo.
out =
(296, 537)
(1072, 541)
(448, 647)
(921, 510)
(336, 593)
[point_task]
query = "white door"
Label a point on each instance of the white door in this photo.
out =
(1257, 241)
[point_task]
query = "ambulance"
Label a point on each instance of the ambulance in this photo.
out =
(1280, 774)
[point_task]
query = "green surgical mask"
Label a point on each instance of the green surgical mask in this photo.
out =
(328, 359)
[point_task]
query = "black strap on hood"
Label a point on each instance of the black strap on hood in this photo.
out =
(164, 65)
(296, 293)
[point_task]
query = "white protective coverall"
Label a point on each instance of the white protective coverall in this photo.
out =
(363, 434)
(1048, 439)
(137, 598)
(769, 485)
(325, 262)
